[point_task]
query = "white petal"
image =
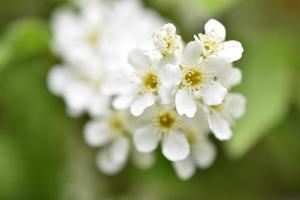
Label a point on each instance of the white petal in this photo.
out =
(185, 103)
(98, 105)
(234, 105)
(213, 93)
(122, 102)
(141, 103)
(118, 82)
(112, 159)
(170, 75)
(234, 78)
(215, 29)
(96, 133)
(143, 160)
(219, 126)
(185, 169)
(231, 50)
(146, 139)
(166, 95)
(119, 149)
(192, 53)
(74, 112)
(77, 95)
(139, 60)
(175, 146)
(105, 163)
(58, 78)
(204, 153)
(218, 67)
(170, 28)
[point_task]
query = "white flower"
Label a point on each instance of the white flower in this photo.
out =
(146, 84)
(78, 37)
(200, 80)
(214, 42)
(165, 127)
(168, 43)
(109, 133)
(95, 42)
(81, 92)
(221, 117)
(98, 34)
(112, 132)
(202, 153)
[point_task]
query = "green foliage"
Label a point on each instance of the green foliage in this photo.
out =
(213, 7)
(12, 167)
(267, 86)
(23, 40)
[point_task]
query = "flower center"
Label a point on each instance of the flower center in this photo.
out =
(167, 120)
(151, 81)
(193, 77)
(170, 45)
(217, 107)
(115, 123)
(210, 46)
(92, 37)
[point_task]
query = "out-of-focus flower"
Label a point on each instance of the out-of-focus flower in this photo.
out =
(94, 50)
(164, 125)
(202, 153)
(113, 132)
(221, 117)
(213, 42)
(168, 43)
(81, 92)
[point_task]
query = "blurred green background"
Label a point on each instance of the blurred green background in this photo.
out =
(42, 153)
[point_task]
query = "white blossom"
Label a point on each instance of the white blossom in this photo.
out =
(202, 153)
(98, 33)
(200, 80)
(81, 92)
(168, 43)
(222, 116)
(213, 42)
(145, 86)
(95, 51)
(113, 132)
(164, 126)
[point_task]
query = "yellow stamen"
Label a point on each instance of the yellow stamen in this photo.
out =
(151, 82)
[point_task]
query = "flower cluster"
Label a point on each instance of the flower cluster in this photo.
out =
(163, 92)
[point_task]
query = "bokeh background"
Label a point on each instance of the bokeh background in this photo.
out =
(42, 153)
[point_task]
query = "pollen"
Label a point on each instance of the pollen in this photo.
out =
(92, 37)
(151, 81)
(193, 78)
(170, 43)
(217, 107)
(167, 120)
(115, 123)
(210, 46)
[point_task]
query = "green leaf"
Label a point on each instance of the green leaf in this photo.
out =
(266, 85)
(12, 167)
(24, 39)
(213, 7)
(5, 54)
